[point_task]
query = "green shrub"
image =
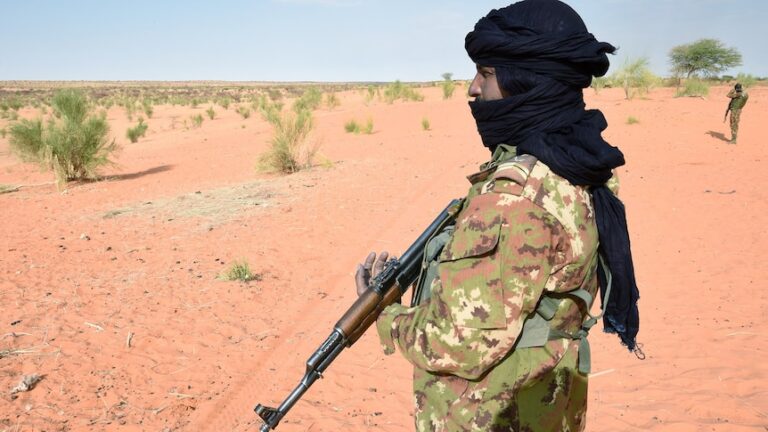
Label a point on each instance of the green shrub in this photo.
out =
(599, 83)
(693, 87)
(197, 120)
(448, 85)
(147, 107)
(398, 90)
(632, 120)
(137, 131)
(332, 101)
(224, 103)
(14, 103)
(245, 112)
(309, 100)
(239, 271)
(211, 113)
(635, 77)
(370, 93)
(73, 144)
(352, 127)
(288, 144)
(368, 128)
(425, 124)
(271, 111)
(3, 132)
(274, 94)
(746, 80)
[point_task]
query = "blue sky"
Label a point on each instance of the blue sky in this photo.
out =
(328, 40)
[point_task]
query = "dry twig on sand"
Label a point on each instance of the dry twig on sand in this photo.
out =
(15, 352)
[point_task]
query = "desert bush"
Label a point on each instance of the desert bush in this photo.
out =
(3, 133)
(599, 83)
(370, 93)
(288, 145)
(693, 87)
(13, 103)
(137, 131)
(197, 120)
(448, 85)
(632, 120)
(274, 94)
(239, 271)
(73, 144)
(211, 113)
(398, 90)
(635, 77)
(425, 124)
(332, 101)
(746, 80)
(352, 127)
(244, 112)
(146, 106)
(224, 103)
(368, 128)
(271, 111)
(309, 100)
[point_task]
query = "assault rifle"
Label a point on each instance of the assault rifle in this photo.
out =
(730, 105)
(384, 289)
(725, 117)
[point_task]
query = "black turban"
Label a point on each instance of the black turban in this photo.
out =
(544, 56)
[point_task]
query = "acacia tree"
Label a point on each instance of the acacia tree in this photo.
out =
(705, 56)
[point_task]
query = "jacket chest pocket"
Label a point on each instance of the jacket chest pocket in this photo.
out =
(470, 267)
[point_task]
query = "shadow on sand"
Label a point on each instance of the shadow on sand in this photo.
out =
(718, 135)
(131, 176)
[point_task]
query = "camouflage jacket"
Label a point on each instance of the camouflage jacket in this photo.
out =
(738, 99)
(523, 231)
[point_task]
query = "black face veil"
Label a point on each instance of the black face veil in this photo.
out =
(544, 56)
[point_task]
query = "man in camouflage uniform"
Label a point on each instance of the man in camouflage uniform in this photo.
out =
(738, 100)
(498, 344)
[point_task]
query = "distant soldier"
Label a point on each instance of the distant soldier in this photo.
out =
(738, 100)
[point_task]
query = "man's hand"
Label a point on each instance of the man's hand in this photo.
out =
(369, 270)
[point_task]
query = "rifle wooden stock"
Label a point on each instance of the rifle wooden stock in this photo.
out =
(386, 288)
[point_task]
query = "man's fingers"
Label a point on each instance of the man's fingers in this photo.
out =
(361, 281)
(369, 261)
(380, 263)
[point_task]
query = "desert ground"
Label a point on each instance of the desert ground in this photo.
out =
(110, 290)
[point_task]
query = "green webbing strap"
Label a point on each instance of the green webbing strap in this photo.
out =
(536, 330)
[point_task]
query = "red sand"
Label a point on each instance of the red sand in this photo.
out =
(136, 258)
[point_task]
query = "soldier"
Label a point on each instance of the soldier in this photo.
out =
(498, 337)
(738, 100)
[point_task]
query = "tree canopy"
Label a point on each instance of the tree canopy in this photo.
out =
(705, 56)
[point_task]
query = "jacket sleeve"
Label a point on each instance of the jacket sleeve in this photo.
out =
(491, 275)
